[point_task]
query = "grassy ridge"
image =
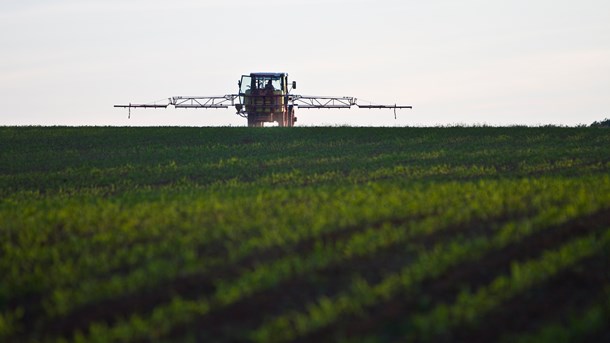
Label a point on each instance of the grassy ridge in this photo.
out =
(378, 234)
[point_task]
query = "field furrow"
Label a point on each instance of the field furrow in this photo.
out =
(386, 318)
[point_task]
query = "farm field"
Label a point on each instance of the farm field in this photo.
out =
(305, 234)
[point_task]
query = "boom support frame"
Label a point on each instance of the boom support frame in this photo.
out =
(263, 97)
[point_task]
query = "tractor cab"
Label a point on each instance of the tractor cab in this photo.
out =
(264, 96)
(263, 82)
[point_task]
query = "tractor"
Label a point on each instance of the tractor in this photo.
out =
(263, 98)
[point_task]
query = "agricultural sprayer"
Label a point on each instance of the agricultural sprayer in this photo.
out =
(263, 98)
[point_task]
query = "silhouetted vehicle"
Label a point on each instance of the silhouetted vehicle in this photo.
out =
(263, 98)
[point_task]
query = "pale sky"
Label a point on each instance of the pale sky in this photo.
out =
(501, 62)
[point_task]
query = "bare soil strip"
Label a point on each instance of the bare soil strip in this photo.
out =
(232, 321)
(572, 289)
(471, 275)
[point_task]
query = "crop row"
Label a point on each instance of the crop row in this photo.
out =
(130, 239)
(361, 295)
(561, 205)
(312, 234)
(192, 158)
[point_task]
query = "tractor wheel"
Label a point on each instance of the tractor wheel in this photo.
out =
(291, 117)
(251, 121)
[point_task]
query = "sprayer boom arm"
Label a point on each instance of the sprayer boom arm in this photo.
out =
(223, 101)
(307, 101)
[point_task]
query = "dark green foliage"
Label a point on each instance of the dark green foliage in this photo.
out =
(603, 123)
(312, 234)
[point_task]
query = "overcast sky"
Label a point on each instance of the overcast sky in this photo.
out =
(500, 62)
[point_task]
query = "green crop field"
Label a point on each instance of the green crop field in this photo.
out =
(304, 234)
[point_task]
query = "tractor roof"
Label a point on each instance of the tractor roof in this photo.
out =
(268, 74)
